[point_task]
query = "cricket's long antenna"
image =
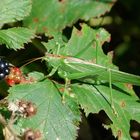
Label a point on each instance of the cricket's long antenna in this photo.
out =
(31, 60)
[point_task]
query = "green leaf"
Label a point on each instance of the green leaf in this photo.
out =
(55, 44)
(56, 15)
(37, 76)
(14, 38)
(14, 10)
(96, 98)
(84, 44)
(87, 44)
(70, 101)
(54, 119)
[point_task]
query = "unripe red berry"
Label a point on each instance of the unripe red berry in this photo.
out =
(10, 82)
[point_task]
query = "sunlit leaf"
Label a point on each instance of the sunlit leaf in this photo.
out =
(14, 10)
(14, 38)
(53, 119)
(96, 98)
(56, 15)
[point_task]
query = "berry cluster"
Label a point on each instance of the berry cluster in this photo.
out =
(13, 75)
(16, 76)
(4, 69)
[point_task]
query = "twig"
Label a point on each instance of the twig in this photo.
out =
(8, 126)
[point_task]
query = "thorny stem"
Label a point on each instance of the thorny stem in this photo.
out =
(2, 120)
(3, 102)
(8, 126)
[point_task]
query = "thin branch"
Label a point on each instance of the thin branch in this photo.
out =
(8, 126)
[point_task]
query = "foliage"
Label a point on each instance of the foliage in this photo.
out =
(11, 11)
(14, 38)
(74, 75)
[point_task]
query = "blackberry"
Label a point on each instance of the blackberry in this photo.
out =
(6, 64)
(4, 69)
(2, 65)
(2, 75)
